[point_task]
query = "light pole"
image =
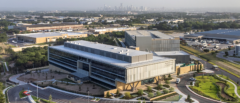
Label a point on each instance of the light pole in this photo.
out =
(37, 91)
(88, 96)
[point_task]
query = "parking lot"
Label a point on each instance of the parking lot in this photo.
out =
(208, 45)
(13, 41)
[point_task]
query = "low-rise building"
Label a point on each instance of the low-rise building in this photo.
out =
(49, 27)
(48, 37)
(105, 30)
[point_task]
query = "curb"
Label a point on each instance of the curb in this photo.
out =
(186, 95)
(235, 87)
(203, 96)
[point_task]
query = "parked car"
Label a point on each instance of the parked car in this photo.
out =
(193, 79)
(178, 80)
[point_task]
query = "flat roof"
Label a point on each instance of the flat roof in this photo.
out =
(223, 31)
(107, 59)
(170, 53)
(49, 25)
(153, 34)
(49, 34)
(109, 48)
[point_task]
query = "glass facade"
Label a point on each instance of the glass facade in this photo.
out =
(63, 58)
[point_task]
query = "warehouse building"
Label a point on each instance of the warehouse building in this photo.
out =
(105, 30)
(51, 27)
(48, 36)
(230, 35)
(151, 41)
(109, 66)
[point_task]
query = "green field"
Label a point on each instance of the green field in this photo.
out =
(174, 98)
(238, 90)
(209, 89)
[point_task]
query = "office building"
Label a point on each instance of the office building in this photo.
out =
(152, 41)
(180, 56)
(230, 35)
(48, 36)
(109, 66)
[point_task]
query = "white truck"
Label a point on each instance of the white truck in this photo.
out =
(178, 80)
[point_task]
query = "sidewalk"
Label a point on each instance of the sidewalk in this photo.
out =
(182, 100)
(14, 79)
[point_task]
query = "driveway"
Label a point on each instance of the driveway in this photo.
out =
(57, 96)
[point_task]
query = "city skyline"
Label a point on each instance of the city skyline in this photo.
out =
(95, 5)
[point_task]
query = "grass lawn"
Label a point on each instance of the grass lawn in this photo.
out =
(238, 90)
(206, 83)
(174, 98)
(43, 100)
(209, 89)
(21, 95)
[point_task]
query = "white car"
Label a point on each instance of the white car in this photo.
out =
(178, 80)
(193, 79)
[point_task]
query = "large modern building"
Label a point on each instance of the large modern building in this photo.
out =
(48, 36)
(237, 50)
(231, 35)
(152, 41)
(105, 30)
(109, 66)
(51, 27)
(180, 56)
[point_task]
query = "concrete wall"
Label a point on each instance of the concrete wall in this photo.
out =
(149, 71)
(186, 69)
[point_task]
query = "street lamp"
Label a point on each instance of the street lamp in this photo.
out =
(88, 96)
(37, 91)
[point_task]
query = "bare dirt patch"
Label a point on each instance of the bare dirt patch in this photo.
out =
(223, 94)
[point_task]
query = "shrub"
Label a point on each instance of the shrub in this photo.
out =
(127, 95)
(167, 81)
(108, 95)
(140, 92)
(171, 89)
(159, 93)
(149, 89)
(167, 86)
(165, 91)
(150, 95)
(117, 92)
(159, 87)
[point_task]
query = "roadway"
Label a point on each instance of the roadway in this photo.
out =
(57, 96)
(185, 81)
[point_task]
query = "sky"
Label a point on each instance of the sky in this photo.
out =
(94, 4)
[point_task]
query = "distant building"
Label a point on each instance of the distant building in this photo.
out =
(48, 36)
(105, 30)
(230, 35)
(152, 41)
(48, 27)
(115, 25)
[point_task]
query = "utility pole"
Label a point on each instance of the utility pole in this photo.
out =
(37, 91)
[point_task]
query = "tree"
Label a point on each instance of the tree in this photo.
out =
(165, 91)
(140, 92)
(150, 95)
(149, 89)
(169, 76)
(127, 95)
(50, 98)
(2, 96)
(167, 81)
(200, 66)
(194, 75)
(159, 93)
(171, 89)
(226, 53)
(108, 95)
(159, 87)
(189, 97)
(117, 92)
